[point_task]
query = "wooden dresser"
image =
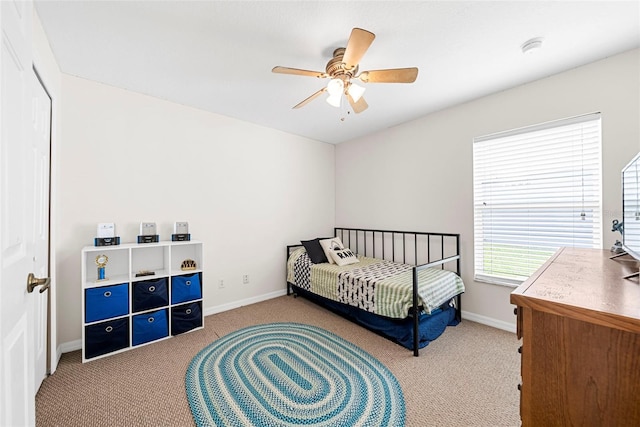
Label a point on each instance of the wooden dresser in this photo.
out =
(579, 321)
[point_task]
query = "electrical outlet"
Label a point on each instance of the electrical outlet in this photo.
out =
(221, 284)
(245, 279)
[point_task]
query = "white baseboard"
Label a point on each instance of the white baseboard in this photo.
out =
(66, 347)
(489, 321)
(248, 301)
(77, 344)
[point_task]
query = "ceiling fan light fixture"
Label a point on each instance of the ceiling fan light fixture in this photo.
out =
(355, 91)
(335, 87)
(343, 68)
(334, 100)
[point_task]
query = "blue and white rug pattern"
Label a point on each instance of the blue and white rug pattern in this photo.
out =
(290, 374)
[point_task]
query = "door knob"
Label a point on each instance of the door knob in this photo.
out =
(33, 281)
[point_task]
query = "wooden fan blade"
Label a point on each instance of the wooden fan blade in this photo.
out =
(358, 107)
(299, 72)
(395, 75)
(311, 98)
(359, 42)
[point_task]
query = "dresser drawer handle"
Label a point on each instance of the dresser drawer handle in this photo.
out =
(515, 311)
(108, 328)
(152, 288)
(107, 294)
(188, 311)
(519, 387)
(150, 319)
(188, 282)
(520, 349)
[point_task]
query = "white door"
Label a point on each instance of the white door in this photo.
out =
(41, 124)
(17, 192)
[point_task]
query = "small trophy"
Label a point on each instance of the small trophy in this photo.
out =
(101, 262)
(617, 246)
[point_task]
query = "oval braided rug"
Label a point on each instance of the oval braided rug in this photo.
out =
(290, 374)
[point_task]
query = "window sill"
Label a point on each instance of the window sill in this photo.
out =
(498, 282)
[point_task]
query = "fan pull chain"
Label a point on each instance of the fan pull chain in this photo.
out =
(345, 112)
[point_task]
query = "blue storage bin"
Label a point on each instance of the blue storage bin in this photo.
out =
(150, 294)
(105, 302)
(185, 288)
(186, 317)
(150, 326)
(106, 337)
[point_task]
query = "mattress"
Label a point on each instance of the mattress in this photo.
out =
(376, 286)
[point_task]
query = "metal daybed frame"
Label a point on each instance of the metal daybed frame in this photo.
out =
(420, 249)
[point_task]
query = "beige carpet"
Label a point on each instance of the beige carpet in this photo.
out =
(467, 377)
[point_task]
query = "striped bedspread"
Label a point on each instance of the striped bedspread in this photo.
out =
(374, 285)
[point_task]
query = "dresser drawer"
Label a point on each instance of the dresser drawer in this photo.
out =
(185, 288)
(106, 337)
(150, 294)
(150, 326)
(106, 302)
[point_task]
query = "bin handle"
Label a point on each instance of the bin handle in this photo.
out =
(188, 282)
(109, 328)
(188, 311)
(150, 319)
(107, 294)
(152, 288)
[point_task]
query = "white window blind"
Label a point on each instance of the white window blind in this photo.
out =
(536, 189)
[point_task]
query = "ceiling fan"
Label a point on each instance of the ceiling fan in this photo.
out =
(342, 69)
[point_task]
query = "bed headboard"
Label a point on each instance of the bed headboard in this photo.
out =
(407, 247)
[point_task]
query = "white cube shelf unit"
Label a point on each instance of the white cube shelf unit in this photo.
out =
(125, 309)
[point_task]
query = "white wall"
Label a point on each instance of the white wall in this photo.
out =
(419, 175)
(246, 191)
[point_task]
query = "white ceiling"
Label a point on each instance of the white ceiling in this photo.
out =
(218, 55)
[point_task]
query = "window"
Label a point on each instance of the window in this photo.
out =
(536, 189)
